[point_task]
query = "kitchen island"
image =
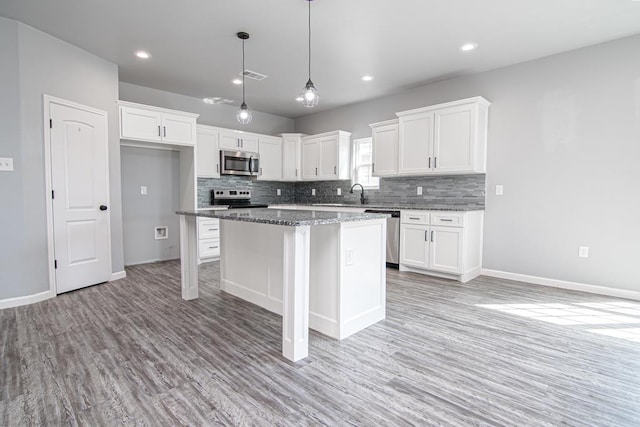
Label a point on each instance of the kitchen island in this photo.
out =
(318, 269)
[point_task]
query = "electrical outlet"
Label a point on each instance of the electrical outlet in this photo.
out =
(278, 192)
(143, 190)
(499, 190)
(419, 191)
(339, 191)
(349, 257)
(583, 251)
(6, 164)
(313, 191)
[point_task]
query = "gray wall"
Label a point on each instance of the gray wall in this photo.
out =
(159, 171)
(213, 115)
(564, 140)
(50, 66)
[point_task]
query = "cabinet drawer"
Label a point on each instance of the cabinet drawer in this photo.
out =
(415, 217)
(209, 229)
(447, 219)
(209, 248)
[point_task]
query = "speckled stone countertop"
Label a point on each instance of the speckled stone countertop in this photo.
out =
(398, 206)
(291, 218)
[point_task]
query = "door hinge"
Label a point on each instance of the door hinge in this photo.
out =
(50, 123)
(55, 264)
(53, 194)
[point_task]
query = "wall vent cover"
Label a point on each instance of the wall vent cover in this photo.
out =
(253, 75)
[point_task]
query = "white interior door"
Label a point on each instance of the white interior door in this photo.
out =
(79, 176)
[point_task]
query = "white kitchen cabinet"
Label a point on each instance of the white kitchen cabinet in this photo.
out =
(208, 239)
(445, 244)
(385, 148)
(291, 147)
(207, 152)
(270, 150)
(239, 141)
(447, 138)
(152, 124)
(326, 156)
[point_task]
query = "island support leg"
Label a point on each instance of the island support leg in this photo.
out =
(189, 256)
(295, 298)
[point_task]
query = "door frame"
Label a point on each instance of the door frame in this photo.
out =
(48, 100)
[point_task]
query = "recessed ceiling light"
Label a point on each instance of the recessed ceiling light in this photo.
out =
(236, 81)
(143, 55)
(367, 78)
(467, 47)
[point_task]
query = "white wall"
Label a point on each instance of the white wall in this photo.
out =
(213, 115)
(564, 140)
(47, 65)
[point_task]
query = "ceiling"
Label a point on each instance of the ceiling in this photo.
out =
(402, 43)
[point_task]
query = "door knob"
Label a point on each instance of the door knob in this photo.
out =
(103, 208)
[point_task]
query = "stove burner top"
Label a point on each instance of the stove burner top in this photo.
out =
(235, 198)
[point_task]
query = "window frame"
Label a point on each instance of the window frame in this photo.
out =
(355, 165)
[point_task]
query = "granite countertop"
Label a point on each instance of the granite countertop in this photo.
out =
(285, 217)
(398, 206)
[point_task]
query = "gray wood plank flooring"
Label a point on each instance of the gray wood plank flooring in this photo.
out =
(132, 352)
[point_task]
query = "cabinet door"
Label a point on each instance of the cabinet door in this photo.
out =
(416, 144)
(453, 144)
(249, 143)
(207, 153)
(291, 158)
(446, 249)
(385, 150)
(139, 124)
(414, 245)
(178, 129)
(328, 165)
(309, 159)
(229, 141)
(270, 150)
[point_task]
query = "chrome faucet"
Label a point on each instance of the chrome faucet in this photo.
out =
(361, 194)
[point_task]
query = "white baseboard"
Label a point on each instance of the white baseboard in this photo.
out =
(29, 299)
(151, 261)
(118, 275)
(563, 284)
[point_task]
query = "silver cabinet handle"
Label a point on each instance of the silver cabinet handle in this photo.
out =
(212, 229)
(217, 167)
(432, 235)
(296, 171)
(445, 220)
(260, 171)
(165, 130)
(417, 219)
(316, 171)
(212, 247)
(429, 162)
(373, 168)
(159, 134)
(426, 235)
(435, 163)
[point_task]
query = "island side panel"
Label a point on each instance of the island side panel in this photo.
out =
(295, 304)
(362, 275)
(189, 256)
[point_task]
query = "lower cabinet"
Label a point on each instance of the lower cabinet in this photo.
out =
(446, 244)
(208, 239)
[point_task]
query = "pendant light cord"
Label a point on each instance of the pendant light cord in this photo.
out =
(309, 1)
(243, 73)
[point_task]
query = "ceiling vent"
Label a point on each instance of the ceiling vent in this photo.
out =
(253, 75)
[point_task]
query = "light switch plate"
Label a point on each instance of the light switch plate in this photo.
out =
(349, 257)
(499, 190)
(143, 190)
(339, 191)
(583, 251)
(6, 164)
(419, 191)
(278, 192)
(313, 191)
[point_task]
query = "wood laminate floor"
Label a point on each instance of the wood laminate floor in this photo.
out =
(133, 352)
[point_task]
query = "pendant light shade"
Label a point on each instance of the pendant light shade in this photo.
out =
(244, 114)
(310, 96)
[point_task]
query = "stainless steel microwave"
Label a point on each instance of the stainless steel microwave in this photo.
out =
(239, 163)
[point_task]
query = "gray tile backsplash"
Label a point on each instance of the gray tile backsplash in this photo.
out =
(463, 190)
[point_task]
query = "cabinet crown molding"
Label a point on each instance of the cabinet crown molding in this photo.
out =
(332, 133)
(482, 102)
(158, 109)
(384, 123)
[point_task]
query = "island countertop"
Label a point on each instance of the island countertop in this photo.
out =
(286, 217)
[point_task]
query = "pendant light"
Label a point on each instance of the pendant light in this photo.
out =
(310, 96)
(244, 114)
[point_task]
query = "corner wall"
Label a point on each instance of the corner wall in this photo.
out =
(564, 140)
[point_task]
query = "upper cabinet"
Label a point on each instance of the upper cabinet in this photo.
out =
(326, 156)
(238, 141)
(207, 154)
(152, 124)
(385, 148)
(270, 150)
(447, 138)
(291, 147)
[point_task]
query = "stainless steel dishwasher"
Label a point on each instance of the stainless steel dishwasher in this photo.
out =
(393, 236)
